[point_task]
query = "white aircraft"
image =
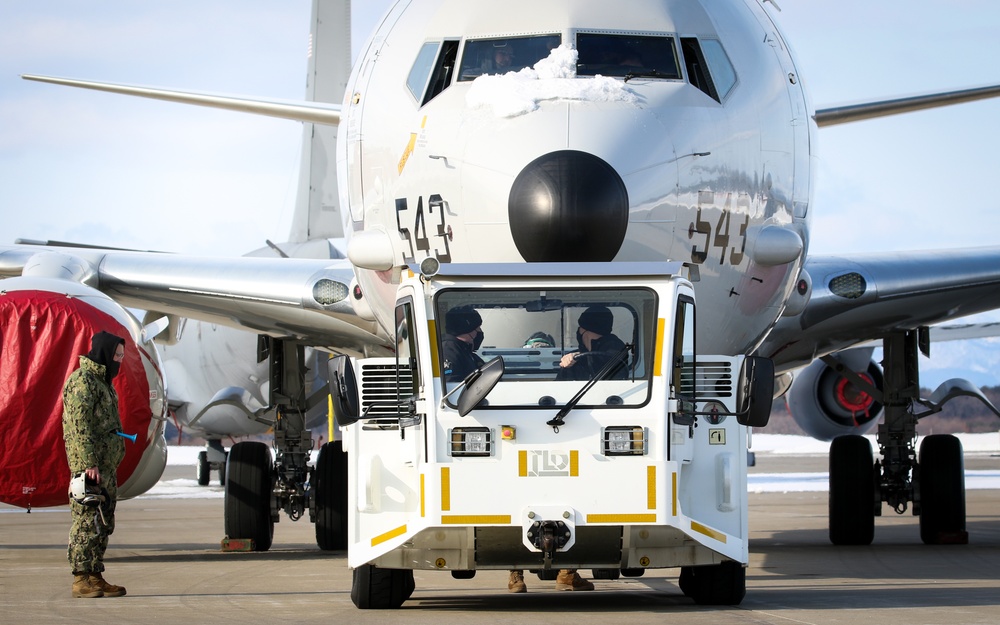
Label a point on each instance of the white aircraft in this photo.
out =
(674, 130)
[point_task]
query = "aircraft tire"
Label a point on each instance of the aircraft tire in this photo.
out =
(248, 494)
(852, 491)
(942, 491)
(202, 470)
(716, 584)
(606, 573)
(330, 484)
(381, 589)
(222, 472)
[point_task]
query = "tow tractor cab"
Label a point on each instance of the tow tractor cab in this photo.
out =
(633, 463)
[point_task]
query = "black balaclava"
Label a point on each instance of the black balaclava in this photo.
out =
(102, 351)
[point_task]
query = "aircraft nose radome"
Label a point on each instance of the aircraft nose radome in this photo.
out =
(568, 206)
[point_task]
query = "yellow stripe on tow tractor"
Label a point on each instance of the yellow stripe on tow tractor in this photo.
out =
(475, 519)
(658, 361)
(621, 518)
(651, 487)
(381, 538)
(708, 531)
(445, 488)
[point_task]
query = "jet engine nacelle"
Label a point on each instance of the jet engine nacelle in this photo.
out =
(826, 404)
(46, 323)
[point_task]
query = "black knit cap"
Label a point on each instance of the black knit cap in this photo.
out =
(462, 320)
(102, 351)
(597, 319)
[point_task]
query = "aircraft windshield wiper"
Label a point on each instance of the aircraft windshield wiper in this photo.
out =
(612, 364)
(649, 73)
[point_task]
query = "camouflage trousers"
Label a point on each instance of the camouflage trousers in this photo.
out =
(88, 535)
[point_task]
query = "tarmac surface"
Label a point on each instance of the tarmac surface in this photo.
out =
(166, 552)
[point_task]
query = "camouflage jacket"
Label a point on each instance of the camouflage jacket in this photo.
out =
(91, 420)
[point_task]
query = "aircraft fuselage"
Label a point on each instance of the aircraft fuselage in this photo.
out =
(537, 167)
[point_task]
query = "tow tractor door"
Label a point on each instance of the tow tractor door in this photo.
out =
(389, 442)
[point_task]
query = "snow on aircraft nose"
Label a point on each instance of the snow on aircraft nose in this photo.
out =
(568, 206)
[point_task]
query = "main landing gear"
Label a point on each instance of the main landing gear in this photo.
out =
(933, 482)
(259, 484)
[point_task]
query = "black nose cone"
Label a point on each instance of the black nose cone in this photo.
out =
(568, 206)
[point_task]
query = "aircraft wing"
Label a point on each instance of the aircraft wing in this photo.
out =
(867, 110)
(305, 111)
(304, 299)
(860, 298)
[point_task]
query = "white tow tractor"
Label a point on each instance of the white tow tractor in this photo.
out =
(522, 465)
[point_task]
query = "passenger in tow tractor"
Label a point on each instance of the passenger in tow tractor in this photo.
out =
(464, 335)
(598, 345)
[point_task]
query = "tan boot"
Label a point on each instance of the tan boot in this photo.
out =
(516, 582)
(568, 579)
(109, 590)
(84, 588)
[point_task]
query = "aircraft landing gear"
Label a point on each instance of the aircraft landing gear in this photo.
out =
(934, 483)
(259, 487)
(330, 497)
(248, 494)
(214, 457)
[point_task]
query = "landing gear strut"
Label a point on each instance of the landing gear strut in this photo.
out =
(260, 486)
(934, 484)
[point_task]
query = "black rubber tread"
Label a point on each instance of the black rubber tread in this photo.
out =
(202, 470)
(852, 491)
(381, 589)
(942, 491)
(248, 494)
(330, 488)
(715, 584)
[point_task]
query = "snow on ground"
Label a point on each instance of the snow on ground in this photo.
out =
(763, 444)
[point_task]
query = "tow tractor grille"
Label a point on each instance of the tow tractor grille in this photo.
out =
(707, 380)
(384, 389)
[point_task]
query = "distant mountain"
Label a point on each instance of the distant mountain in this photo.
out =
(976, 360)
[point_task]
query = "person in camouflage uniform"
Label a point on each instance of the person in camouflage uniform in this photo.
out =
(90, 425)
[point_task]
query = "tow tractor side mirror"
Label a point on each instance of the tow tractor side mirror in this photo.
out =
(755, 392)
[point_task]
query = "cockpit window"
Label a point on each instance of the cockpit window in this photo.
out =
(432, 70)
(697, 67)
(502, 55)
(722, 70)
(416, 82)
(630, 56)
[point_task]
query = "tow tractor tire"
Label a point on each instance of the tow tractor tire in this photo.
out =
(852, 491)
(942, 491)
(606, 573)
(716, 584)
(248, 494)
(381, 589)
(330, 487)
(202, 469)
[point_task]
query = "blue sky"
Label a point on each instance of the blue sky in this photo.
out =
(115, 170)
(122, 171)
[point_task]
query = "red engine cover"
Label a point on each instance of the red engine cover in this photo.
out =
(42, 335)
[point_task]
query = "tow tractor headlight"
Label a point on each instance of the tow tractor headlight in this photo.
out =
(471, 442)
(624, 440)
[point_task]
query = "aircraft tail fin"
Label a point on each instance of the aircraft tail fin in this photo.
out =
(318, 213)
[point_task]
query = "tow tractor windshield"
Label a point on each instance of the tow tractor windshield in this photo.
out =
(552, 342)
